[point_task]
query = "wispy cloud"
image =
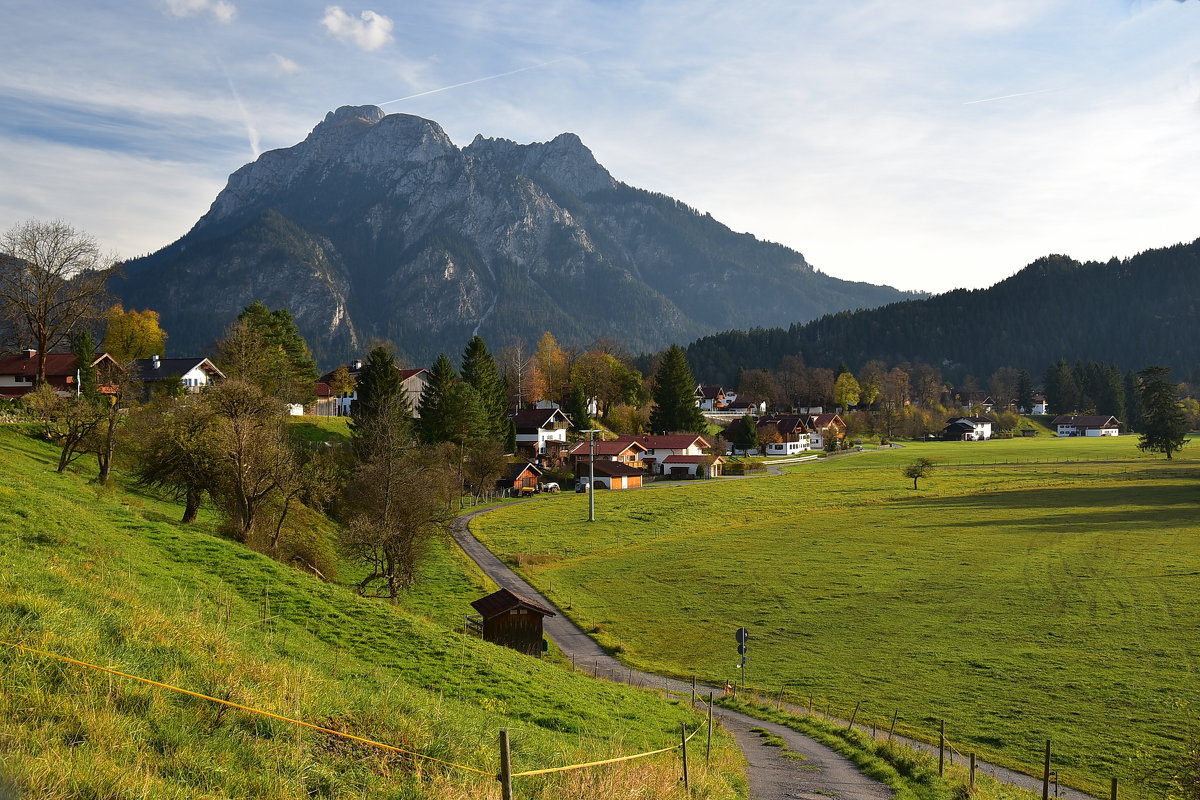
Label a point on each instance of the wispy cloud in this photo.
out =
(473, 81)
(370, 31)
(222, 10)
(286, 65)
(1008, 96)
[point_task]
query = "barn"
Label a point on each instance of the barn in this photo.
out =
(506, 618)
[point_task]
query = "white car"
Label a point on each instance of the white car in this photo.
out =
(551, 487)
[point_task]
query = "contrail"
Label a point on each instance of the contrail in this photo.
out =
(1007, 96)
(251, 130)
(477, 80)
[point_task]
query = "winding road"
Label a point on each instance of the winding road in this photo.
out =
(822, 773)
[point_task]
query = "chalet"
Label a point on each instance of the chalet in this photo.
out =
(692, 466)
(540, 431)
(967, 429)
(743, 407)
(413, 381)
(658, 447)
(1087, 425)
(825, 431)
(518, 478)
(1040, 406)
(710, 398)
(19, 370)
(509, 619)
(609, 475)
(628, 453)
(325, 404)
(793, 434)
(194, 373)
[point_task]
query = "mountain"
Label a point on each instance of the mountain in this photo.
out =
(1132, 313)
(379, 227)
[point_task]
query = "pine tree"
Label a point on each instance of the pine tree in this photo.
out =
(83, 347)
(380, 393)
(433, 406)
(1025, 391)
(748, 433)
(1164, 422)
(479, 371)
(577, 410)
(675, 406)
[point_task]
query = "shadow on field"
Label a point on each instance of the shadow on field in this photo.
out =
(1084, 507)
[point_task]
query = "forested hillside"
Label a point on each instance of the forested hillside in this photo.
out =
(1130, 313)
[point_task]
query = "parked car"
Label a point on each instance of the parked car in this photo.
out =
(551, 487)
(581, 488)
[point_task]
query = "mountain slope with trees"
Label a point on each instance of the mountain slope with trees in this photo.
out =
(378, 227)
(1130, 313)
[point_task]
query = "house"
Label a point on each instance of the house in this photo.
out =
(1040, 406)
(628, 453)
(19, 370)
(710, 398)
(519, 476)
(967, 429)
(744, 407)
(541, 432)
(658, 447)
(825, 431)
(512, 620)
(792, 430)
(194, 373)
(326, 403)
(413, 381)
(1087, 425)
(609, 475)
(692, 466)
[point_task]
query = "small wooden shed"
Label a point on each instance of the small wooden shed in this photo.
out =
(508, 619)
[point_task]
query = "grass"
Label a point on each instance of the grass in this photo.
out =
(1031, 589)
(107, 575)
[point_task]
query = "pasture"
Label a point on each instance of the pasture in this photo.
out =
(1031, 589)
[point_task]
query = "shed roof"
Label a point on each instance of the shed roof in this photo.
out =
(497, 603)
(1087, 420)
(608, 469)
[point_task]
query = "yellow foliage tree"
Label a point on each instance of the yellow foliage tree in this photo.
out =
(129, 335)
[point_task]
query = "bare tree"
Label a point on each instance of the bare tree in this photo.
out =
(52, 279)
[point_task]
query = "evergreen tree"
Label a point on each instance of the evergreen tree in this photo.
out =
(434, 405)
(380, 393)
(1164, 422)
(1062, 393)
(577, 410)
(480, 372)
(748, 433)
(265, 347)
(675, 406)
(83, 347)
(1025, 391)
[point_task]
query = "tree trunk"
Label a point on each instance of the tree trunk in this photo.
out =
(191, 505)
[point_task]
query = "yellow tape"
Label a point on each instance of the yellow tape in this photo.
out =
(249, 709)
(527, 773)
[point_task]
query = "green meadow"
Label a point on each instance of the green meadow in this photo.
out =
(1030, 589)
(108, 576)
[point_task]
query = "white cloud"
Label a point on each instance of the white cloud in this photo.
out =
(286, 65)
(220, 9)
(370, 32)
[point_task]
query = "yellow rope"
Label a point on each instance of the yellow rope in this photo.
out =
(249, 709)
(527, 773)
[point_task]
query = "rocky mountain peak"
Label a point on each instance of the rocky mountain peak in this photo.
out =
(565, 160)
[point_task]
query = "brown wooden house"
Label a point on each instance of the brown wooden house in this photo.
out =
(519, 478)
(506, 618)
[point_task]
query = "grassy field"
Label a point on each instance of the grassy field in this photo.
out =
(108, 576)
(1030, 589)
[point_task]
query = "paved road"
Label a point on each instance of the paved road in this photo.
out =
(822, 773)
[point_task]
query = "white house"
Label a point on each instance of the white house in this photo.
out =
(540, 429)
(1087, 425)
(692, 466)
(969, 429)
(1040, 406)
(658, 448)
(195, 373)
(412, 380)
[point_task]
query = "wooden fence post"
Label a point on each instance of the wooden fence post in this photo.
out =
(505, 776)
(687, 786)
(1046, 774)
(693, 691)
(893, 728)
(942, 750)
(971, 785)
(854, 716)
(1112, 791)
(708, 747)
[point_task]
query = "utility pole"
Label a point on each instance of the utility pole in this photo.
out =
(591, 473)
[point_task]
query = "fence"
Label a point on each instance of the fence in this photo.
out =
(505, 776)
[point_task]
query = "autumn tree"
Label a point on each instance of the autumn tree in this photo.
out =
(554, 366)
(1004, 387)
(919, 468)
(130, 335)
(846, 391)
(52, 281)
(675, 396)
(522, 379)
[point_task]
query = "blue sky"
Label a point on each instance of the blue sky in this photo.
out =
(928, 145)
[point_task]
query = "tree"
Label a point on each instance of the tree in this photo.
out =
(577, 410)
(1004, 386)
(121, 395)
(380, 391)
(746, 435)
(1062, 393)
(130, 335)
(920, 468)
(52, 280)
(522, 380)
(675, 396)
(479, 371)
(341, 382)
(1025, 392)
(173, 451)
(485, 462)
(1164, 422)
(846, 391)
(265, 347)
(553, 365)
(83, 347)
(432, 407)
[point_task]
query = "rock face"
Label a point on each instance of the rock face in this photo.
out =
(378, 227)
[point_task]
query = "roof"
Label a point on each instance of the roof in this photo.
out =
(609, 448)
(405, 374)
(321, 389)
(608, 469)
(960, 425)
(692, 459)
(710, 392)
(785, 423)
(517, 469)
(670, 441)
(497, 603)
(172, 367)
(1088, 420)
(825, 420)
(530, 419)
(973, 420)
(57, 364)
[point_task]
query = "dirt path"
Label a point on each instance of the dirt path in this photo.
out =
(819, 775)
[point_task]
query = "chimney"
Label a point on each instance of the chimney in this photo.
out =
(357, 363)
(30, 353)
(154, 362)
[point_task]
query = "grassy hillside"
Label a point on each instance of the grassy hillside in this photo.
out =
(108, 576)
(1030, 589)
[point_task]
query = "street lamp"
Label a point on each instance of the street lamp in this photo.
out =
(591, 473)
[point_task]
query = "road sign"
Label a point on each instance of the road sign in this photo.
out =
(742, 635)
